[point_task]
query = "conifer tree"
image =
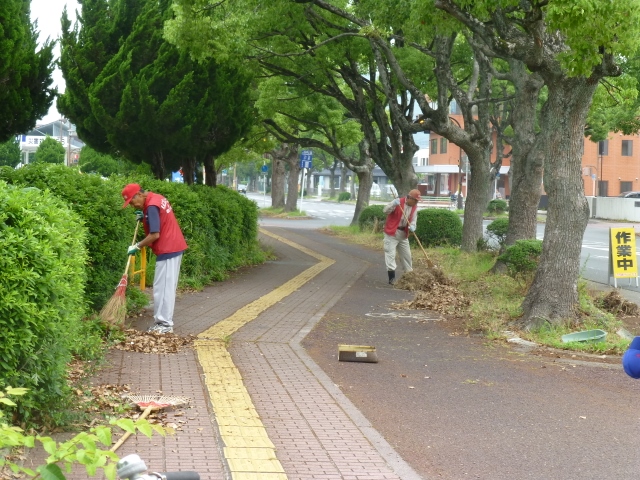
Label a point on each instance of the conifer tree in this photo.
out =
(25, 71)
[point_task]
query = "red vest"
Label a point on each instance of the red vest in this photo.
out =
(393, 219)
(171, 239)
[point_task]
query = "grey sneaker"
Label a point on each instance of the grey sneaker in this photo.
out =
(157, 328)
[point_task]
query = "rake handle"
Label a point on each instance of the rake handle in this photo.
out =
(124, 438)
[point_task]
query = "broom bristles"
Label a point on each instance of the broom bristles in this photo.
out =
(115, 310)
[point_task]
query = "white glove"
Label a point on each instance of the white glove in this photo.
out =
(412, 228)
(396, 202)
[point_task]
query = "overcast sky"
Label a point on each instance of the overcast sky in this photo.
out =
(48, 14)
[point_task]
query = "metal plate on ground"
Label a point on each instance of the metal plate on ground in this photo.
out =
(357, 353)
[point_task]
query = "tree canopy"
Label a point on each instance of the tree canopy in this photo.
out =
(50, 151)
(143, 99)
(10, 153)
(25, 71)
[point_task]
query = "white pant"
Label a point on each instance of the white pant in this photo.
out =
(398, 243)
(165, 284)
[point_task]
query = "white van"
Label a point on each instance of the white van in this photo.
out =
(375, 190)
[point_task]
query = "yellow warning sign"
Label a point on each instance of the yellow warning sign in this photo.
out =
(622, 252)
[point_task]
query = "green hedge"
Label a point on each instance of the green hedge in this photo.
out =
(344, 196)
(42, 302)
(497, 230)
(522, 257)
(497, 206)
(438, 226)
(372, 216)
(99, 204)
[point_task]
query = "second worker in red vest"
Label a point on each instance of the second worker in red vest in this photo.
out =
(401, 219)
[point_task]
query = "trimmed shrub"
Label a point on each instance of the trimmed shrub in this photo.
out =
(438, 226)
(344, 196)
(497, 206)
(522, 257)
(497, 231)
(372, 218)
(42, 260)
(99, 204)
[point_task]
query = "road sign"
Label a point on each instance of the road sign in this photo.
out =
(306, 156)
(265, 169)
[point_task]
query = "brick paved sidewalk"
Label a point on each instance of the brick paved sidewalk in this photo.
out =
(315, 432)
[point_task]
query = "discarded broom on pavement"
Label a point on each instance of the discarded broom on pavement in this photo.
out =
(115, 310)
(150, 403)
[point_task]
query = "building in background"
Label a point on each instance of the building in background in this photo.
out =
(612, 166)
(61, 130)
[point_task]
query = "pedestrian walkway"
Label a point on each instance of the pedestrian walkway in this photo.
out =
(261, 408)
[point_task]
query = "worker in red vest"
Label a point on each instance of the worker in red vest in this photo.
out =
(401, 219)
(167, 242)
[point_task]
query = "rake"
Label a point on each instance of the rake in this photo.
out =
(115, 310)
(150, 403)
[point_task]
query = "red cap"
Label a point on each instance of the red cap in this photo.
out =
(129, 192)
(415, 193)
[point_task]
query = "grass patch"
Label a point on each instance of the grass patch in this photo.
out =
(280, 213)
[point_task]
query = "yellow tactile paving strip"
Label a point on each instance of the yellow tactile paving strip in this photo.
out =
(247, 448)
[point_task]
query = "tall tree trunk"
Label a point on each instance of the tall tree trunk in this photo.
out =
(527, 160)
(553, 296)
(291, 204)
(189, 170)
(157, 166)
(364, 169)
(277, 182)
(365, 179)
(343, 178)
(479, 185)
(210, 179)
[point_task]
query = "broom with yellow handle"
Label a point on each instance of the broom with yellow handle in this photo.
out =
(115, 310)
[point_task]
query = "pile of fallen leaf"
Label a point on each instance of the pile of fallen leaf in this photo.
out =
(105, 398)
(434, 291)
(146, 342)
(614, 303)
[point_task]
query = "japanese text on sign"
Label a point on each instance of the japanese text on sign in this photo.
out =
(623, 252)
